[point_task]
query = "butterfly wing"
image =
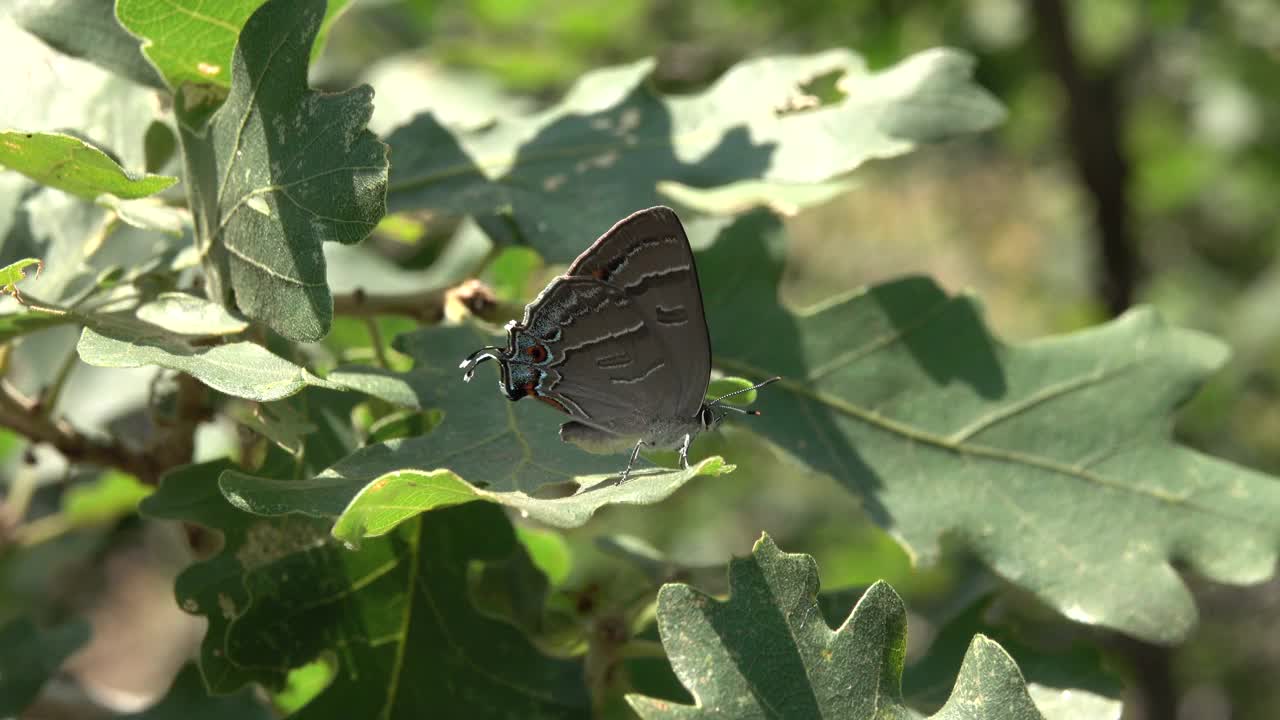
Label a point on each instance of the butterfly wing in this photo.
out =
(647, 256)
(586, 348)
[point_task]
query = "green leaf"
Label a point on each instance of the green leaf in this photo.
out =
(720, 387)
(110, 495)
(73, 165)
(187, 314)
(486, 448)
(601, 153)
(278, 170)
(548, 550)
(29, 655)
(241, 369)
(388, 499)
(1052, 461)
(189, 41)
(1065, 683)
(188, 699)
(766, 652)
(395, 616)
(12, 273)
(89, 31)
(277, 422)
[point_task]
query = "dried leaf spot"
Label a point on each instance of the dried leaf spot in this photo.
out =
(271, 540)
(820, 90)
(227, 606)
(208, 69)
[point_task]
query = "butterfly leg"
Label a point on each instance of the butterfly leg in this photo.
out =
(684, 451)
(634, 454)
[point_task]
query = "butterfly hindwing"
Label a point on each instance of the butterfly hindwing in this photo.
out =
(647, 257)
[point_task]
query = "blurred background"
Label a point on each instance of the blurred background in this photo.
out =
(1139, 164)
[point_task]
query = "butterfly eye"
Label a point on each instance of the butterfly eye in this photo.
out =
(537, 353)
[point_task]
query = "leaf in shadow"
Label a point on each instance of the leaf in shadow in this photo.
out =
(766, 652)
(396, 616)
(29, 655)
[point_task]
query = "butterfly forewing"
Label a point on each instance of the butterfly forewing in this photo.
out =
(647, 257)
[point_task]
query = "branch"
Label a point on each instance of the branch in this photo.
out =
(23, 416)
(428, 306)
(171, 449)
(1094, 127)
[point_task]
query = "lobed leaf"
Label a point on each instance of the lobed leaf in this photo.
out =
(602, 152)
(1052, 461)
(278, 170)
(395, 617)
(766, 652)
(75, 166)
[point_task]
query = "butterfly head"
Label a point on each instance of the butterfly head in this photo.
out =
(708, 416)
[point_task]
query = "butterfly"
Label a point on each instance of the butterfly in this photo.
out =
(619, 343)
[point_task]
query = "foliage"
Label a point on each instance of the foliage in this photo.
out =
(264, 357)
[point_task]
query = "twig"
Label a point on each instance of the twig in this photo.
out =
(375, 339)
(427, 306)
(49, 396)
(172, 448)
(20, 415)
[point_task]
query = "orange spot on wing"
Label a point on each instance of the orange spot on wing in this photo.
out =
(553, 403)
(532, 390)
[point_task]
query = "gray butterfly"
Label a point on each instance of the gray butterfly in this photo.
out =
(619, 343)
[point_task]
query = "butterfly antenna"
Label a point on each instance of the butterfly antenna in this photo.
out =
(716, 403)
(477, 357)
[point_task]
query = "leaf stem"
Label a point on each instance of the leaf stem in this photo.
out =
(375, 339)
(49, 397)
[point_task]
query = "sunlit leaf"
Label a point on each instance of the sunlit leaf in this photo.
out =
(561, 175)
(73, 165)
(242, 369)
(13, 273)
(187, 314)
(189, 41)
